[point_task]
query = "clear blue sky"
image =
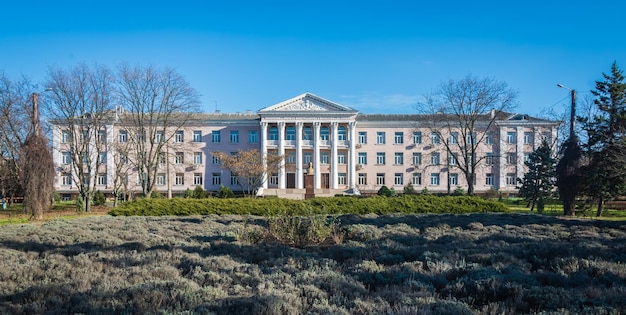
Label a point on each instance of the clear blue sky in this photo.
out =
(374, 56)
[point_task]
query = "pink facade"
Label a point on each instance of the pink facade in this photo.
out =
(350, 153)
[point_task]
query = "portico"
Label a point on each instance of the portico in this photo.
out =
(309, 129)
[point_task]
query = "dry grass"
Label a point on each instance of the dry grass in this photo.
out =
(396, 264)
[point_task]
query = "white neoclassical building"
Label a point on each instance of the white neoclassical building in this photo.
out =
(349, 152)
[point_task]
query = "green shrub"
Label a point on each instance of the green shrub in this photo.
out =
(385, 191)
(225, 192)
(302, 231)
(98, 198)
(459, 191)
(409, 189)
(199, 193)
(319, 205)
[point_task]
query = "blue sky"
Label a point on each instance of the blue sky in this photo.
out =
(374, 56)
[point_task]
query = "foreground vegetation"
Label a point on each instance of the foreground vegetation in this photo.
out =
(389, 264)
(320, 205)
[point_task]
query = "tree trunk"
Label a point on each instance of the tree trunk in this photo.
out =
(600, 206)
(569, 208)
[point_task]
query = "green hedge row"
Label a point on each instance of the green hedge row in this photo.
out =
(332, 205)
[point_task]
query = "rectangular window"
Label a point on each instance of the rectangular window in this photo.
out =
(216, 136)
(471, 138)
(489, 158)
(234, 180)
(510, 137)
(161, 158)
(179, 180)
(160, 179)
(197, 136)
(380, 137)
(102, 136)
(308, 158)
(398, 158)
(274, 179)
(122, 136)
(417, 158)
(454, 179)
(197, 179)
(362, 158)
(102, 157)
(179, 136)
(434, 179)
(528, 138)
(489, 138)
(291, 158)
(454, 137)
(179, 158)
(66, 136)
(102, 179)
(417, 137)
(341, 178)
(398, 137)
(489, 180)
(66, 180)
(84, 135)
(159, 137)
(216, 179)
(380, 158)
(341, 158)
(434, 158)
(253, 136)
(380, 178)
(511, 158)
(453, 159)
(215, 160)
(398, 179)
(197, 158)
(526, 157)
(417, 179)
(362, 179)
(141, 136)
(434, 138)
(362, 137)
(510, 179)
(324, 158)
(234, 136)
(545, 136)
(66, 158)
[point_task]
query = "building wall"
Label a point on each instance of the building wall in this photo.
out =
(511, 142)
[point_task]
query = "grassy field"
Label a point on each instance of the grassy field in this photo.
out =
(393, 264)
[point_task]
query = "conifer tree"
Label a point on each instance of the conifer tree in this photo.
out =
(539, 181)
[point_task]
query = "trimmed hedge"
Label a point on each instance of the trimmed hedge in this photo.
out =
(322, 205)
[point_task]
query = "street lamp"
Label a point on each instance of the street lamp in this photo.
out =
(572, 110)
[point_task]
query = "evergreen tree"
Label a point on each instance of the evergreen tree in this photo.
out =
(605, 150)
(539, 181)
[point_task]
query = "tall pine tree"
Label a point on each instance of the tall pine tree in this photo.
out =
(605, 150)
(539, 181)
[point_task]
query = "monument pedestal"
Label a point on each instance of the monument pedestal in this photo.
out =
(309, 185)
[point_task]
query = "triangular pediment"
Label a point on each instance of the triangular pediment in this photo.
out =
(307, 102)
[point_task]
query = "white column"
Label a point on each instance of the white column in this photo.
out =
(519, 154)
(316, 154)
(352, 157)
(503, 155)
(299, 172)
(333, 158)
(282, 175)
(264, 156)
(110, 167)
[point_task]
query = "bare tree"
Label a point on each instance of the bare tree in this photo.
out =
(80, 106)
(249, 167)
(461, 114)
(157, 103)
(38, 174)
(15, 119)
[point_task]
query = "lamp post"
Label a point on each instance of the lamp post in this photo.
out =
(572, 119)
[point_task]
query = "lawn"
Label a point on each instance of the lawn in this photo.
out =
(392, 264)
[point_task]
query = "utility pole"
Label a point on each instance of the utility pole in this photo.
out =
(572, 119)
(35, 121)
